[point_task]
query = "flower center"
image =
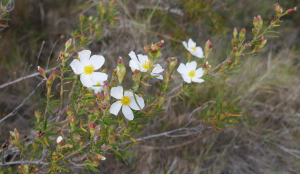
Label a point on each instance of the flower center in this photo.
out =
(146, 64)
(192, 74)
(125, 100)
(193, 48)
(98, 83)
(88, 70)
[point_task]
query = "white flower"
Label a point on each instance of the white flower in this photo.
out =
(189, 72)
(86, 67)
(126, 101)
(191, 47)
(59, 139)
(98, 86)
(142, 63)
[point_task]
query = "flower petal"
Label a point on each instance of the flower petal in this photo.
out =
(186, 78)
(77, 66)
(128, 93)
(157, 69)
(139, 100)
(143, 58)
(191, 65)
(84, 56)
(185, 44)
(99, 76)
(197, 80)
(97, 61)
(191, 43)
(97, 89)
(86, 80)
(199, 72)
(160, 77)
(182, 69)
(132, 55)
(117, 92)
(199, 52)
(127, 112)
(115, 107)
(134, 64)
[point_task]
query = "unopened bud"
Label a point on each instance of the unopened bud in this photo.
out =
(136, 71)
(42, 71)
(279, 12)
(171, 77)
(160, 43)
(244, 47)
(92, 125)
(255, 21)
(37, 116)
(55, 73)
(158, 94)
(121, 70)
(68, 44)
(242, 34)
(277, 7)
(208, 48)
(255, 31)
(50, 80)
(234, 42)
(140, 95)
(234, 32)
(81, 18)
(120, 60)
(59, 140)
(100, 96)
(106, 96)
(106, 87)
(260, 22)
(69, 112)
(261, 40)
(235, 49)
(291, 10)
(90, 18)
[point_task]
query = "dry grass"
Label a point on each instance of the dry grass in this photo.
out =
(267, 85)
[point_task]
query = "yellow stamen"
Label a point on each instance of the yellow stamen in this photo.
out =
(88, 70)
(98, 83)
(125, 100)
(192, 74)
(193, 48)
(146, 64)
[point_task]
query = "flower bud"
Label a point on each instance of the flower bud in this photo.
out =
(255, 31)
(69, 112)
(235, 49)
(260, 22)
(153, 48)
(136, 77)
(92, 125)
(106, 87)
(207, 49)
(172, 66)
(68, 44)
(261, 40)
(100, 96)
(37, 116)
(171, 77)
(244, 46)
(59, 140)
(42, 71)
(114, 71)
(111, 139)
(255, 21)
(234, 42)
(90, 19)
(55, 73)
(106, 96)
(277, 7)
(234, 32)
(50, 80)
(121, 70)
(81, 18)
(279, 13)
(160, 43)
(158, 94)
(242, 34)
(291, 10)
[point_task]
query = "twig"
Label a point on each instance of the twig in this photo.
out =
(24, 162)
(38, 57)
(17, 108)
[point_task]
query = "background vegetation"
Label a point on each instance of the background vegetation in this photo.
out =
(266, 87)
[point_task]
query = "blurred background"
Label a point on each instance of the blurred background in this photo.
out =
(265, 88)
